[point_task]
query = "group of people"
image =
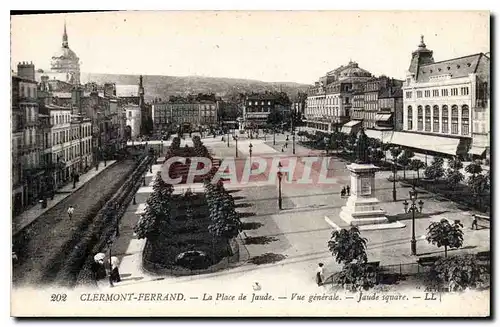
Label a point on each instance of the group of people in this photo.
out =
(346, 191)
(102, 268)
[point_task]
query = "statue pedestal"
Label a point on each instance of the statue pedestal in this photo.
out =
(362, 207)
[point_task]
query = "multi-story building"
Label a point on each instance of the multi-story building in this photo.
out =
(60, 118)
(441, 102)
(390, 106)
(330, 100)
(133, 119)
(28, 139)
(190, 115)
(258, 107)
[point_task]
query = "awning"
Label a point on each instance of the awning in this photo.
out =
(383, 117)
(382, 136)
(347, 128)
(433, 143)
(477, 150)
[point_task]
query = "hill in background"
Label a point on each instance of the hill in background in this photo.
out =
(157, 86)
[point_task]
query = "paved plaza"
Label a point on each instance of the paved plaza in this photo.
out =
(279, 247)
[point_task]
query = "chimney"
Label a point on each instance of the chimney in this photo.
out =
(26, 70)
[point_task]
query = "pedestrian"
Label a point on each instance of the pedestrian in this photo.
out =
(319, 274)
(115, 274)
(348, 190)
(474, 222)
(70, 211)
(98, 269)
(342, 193)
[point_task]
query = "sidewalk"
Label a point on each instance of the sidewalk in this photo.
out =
(29, 215)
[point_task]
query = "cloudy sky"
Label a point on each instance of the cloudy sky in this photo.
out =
(269, 46)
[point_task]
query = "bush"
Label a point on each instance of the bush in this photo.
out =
(461, 272)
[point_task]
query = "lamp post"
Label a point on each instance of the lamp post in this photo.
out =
(236, 141)
(413, 207)
(250, 146)
(293, 142)
(280, 175)
(228, 137)
(394, 180)
(110, 242)
(274, 135)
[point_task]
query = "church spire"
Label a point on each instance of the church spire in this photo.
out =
(65, 37)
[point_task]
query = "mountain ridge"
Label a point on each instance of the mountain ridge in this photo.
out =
(162, 86)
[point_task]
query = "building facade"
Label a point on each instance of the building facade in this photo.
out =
(449, 100)
(133, 119)
(192, 116)
(330, 101)
(258, 107)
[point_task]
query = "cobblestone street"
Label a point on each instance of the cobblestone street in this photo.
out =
(52, 235)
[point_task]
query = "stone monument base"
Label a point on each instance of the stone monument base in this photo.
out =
(363, 211)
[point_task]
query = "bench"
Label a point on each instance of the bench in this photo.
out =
(427, 261)
(482, 221)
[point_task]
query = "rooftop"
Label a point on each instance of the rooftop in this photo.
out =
(456, 68)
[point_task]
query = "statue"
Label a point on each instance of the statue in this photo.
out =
(362, 148)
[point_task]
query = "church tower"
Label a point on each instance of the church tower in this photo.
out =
(419, 57)
(141, 92)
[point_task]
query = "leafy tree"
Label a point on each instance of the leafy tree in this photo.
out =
(356, 276)
(225, 222)
(435, 170)
(154, 221)
(417, 164)
(348, 246)
(453, 177)
(474, 168)
(395, 152)
(460, 272)
(443, 233)
(275, 118)
(455, 163)
(404, 161)
(376, 154)
(479, 184)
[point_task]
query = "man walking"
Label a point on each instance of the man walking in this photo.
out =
(70, 211)
(348, 190)
(474, 222)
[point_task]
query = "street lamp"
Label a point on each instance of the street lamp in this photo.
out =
(110, 242)
(250, 146)
(280, 175)
(236, 140)
(228, 137)
(413, 208)
(274, 135)
(293, 142)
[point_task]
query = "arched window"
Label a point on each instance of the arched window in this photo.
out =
(465, 120)
(444, 119)
(410, 118)
(420, 118)
(454, 119)
(427, 118)
(435, 119)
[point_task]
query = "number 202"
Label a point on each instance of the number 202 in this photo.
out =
(58, 297)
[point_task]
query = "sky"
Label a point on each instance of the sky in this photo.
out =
(284, 46)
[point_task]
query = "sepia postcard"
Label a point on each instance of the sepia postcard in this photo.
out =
(251, 164)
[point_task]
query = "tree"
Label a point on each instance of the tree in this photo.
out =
(225, 222)
(356, 276)
(460, 272)
(376, 154)
(479, 184)
(474, 168)
(348, 246)
(455, 163)
(395, 152)
(453, 177)
(443, 233)
(404, 161)
(435, 170)
(154, 222)
(417, 164)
